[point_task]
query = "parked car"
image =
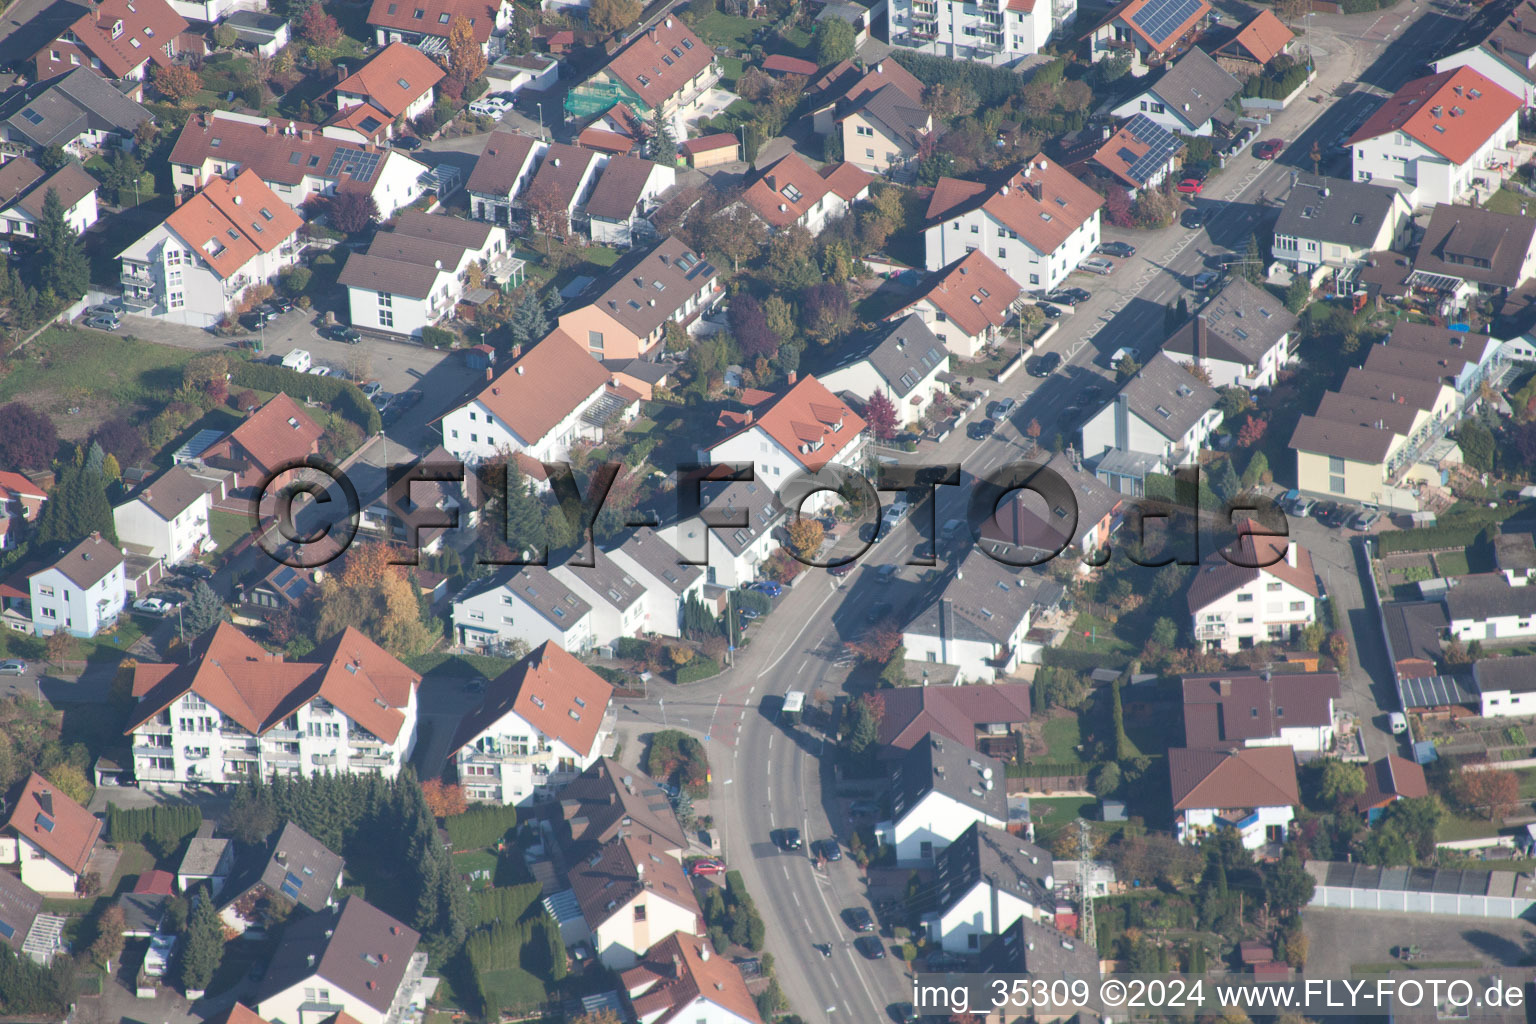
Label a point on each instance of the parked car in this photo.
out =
(1268, 149)
(171, 598)
(1123, 250)
(194, 571)
(13, 667)
(320, 371)
(1190, 187)
(1043, 365)
(706, 867)
(406, 142)
(103, 310)
(281, 303)
(150, 606)
(1069, 296)
(788, 839)
(769, 587)
(1092, 393)
(858, 919)
(489, 106)
(1365, 520)
(1048, 311)
(1223, 260)
(1205, 279)
(1331, 515)
(1002, 408)
(1192, 218)
(1097, 265)
(371, 388)
(829, 849)
(904, 1013)
(1302, 507)
(338, 332)
(870, 946)
(102, 323)
(748, 614)
(981, 430)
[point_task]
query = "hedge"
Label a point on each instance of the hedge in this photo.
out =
(509, 903)
(993, 86)
(1081, 661)
(630, 648)
(699, 667)
(162, 829)
(480, 827)
(1458, 530)
(438, 337)
(1276, 87)
(342, 396)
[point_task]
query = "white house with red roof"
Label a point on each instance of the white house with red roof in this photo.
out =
(1148, 31)
(679, 981)
(633, 893)
(966, 304)
(115, 39)
(1037, 223)
(666, 67)
(53, 836)
(167, 519)
(425, 23)
(268, 440)
(1250, 789)
(791, 192)
(397, 82)
(83, 592)
(195, 266)
(964, 31)
(543, 722)
(1233, 606)
(20, 501)
(798, 431)
(1437, 134)
(234, 709)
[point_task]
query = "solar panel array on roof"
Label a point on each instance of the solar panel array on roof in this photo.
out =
(1435, 692)
(1159, 18)
(360, 166)
(1161, 144)
(1469, 882)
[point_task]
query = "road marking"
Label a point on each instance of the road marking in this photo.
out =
(834, 981)
(770, 743)
(796, 638)
(711, 730)
(794, 894)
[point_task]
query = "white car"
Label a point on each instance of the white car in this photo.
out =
(151, 606)
(320, 371)
(1096, 265)
(489, 106)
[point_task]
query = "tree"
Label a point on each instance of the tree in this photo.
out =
(1165, 632)
(202, 946)
(1126, 368)
(749, 326)
(71, 780)
(76, 508)
(1253, 262)
(864, 722)
(1257, 471)
(1252, 431)
(740, 237)
(610, 16)
(1106, 779)
(319, 28)
(880, 414)
(375, 597)
(28, 439)
(204, 609)
(350, 212)
(1117, 207)
(176, 82)
(528, 323)
(62, 264)
(1495, 791)
(663, 143)
(122, 175)
(895, 671)
(825, 311)
(225, 36)
(806, 536)
(1298, 294)
(466, 61)
(1340, 780)
(1477, 445)
(1338, 649)
(109, 936)
(443, 800)
(835, 41)
(52, 158)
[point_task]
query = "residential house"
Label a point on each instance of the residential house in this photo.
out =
(664, 68)
(511, 73)
(542, 722)
(1514, 554)
(1506, 54)
(843, 87)
(78, 111)
(794, 433)
(1259, 589)
(1387, 781)
(413, 276)
(1338, 223)
(414, 509)
(24, 188)
(967, 304)
(534, 407)
(900, 359)
(883, 130)
(939, 789)
(1149, 32)
(1230, 711)
(989, 718)
(790, 192)
(1039, 520)
(54, 838)
(1189, 97)
(522, 604)
(353, 960)
(268, 441)
(1243, 337)
(1140, 155)
(562, 182)
(115, 39)
(208, 861)
(626, 194)
(396, 83)
(998, 36)
(643, 292)
(195, 266)
(425, 24)
(632, 894)
(1252, 790)
(732, 534)
(1466, 251)
(1487, 606)
(1505, 686)
(1037, 223)
(501, 172)
(667, 584)
(1263, 38)
(293, 870)
(23, 925)
(167, 519)
(617, 599)
(679, 981)
(609, 801)
(233, 709)
(983, 882)
(1464, 360)
(82, 593)
(1163, 412)
(1039, 951)
(298, 161)
(978, 622)
(1436, 134)
(20, 503)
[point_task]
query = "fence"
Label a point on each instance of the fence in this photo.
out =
(1402, 901)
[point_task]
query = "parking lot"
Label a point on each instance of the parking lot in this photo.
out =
(1349, 940)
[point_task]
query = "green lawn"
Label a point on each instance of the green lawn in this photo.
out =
(66, 367)
(470, 862)
(1452, 563)
(1101, 640)
(1062, 737)
(1051, 813)
(227, 528)
(513, 988)
(718, 29)
(1508, 201)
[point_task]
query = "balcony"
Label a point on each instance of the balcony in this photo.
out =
(136, 275)
(1211, 631)
(280, 757)
(145, 750)
(282, 734)
(535, 758)
(370, 761)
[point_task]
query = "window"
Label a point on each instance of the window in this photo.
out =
(1298, 606)
(386, 299)
(864, 130)
(869, 153)
(1002, 251)
(595, 340)
(1244, 598)
(1272, 587)
(1335, 485)
(1335, 464)
(386, 318)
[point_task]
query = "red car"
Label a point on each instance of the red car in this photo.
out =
(707, 867)
(1191, 186)
(1269, 149)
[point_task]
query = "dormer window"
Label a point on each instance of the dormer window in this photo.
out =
(117, 28)
(442, 19)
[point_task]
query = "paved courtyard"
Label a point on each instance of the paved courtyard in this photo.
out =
(1344, 939)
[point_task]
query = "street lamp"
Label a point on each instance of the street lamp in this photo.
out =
(541, 118)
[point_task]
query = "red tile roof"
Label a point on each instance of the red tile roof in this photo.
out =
(1063, 204)
(277, 433)
(660, 62)
(1230, 709)
(435, 16)
(677, 972)
(605, 142)
(1219, 576)
(155, 883)
(973, 292)
(1125, 14)
(846, 83)
(229, 222)
(1452, 113)
(550, 690)
(54, 823)
(953, 712)
(788, 189)
(1232, 779)
(535, 393)
(808, 421)
(1265, 37)
(709, 143)
(786, 65)
(393, 79)
(123, 34)
(1389, 779)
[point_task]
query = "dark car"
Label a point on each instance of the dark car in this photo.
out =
(1222, 260)
(1044, 365)
(1331, 515)
(1192, 219)
(1048, 311)
(1093, 392)
(1120, 249)
(281, 303)
(981, 430)
(266, 313)
(858, 919)
(1069, 296)
(339, 332)
(829, 849)
(407, 142)
(789, 839)
(903, 1013)
(194, 571)
(842, 570)
(870, 946)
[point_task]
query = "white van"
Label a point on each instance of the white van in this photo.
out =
(298, 361)
(1399, 722)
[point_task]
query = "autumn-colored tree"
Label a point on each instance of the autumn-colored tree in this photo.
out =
(610, 16)
(466, 61)
(177, 82)
(1198, 372)
(549, 213)
(1338, 649)
(109, 936)
(350, 212)
(59, 647)
(806, 536)
(375, 597)
(878, 642)
(1033, 430)
(72, 782)
(443, 799)
(679, 654)
(880, 414)
(318, 28)
(1252, 431)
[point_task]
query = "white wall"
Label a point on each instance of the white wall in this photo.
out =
(937, 820)
(1032, 270)
(1503, 704)
(958, 27)
(1249, 612)
(59, 603)
(1397, 157)
(965, 926)
(171, 541)
(621, 939)
(520, 764)
(502, 615)
(1253, 834)
(42, 873)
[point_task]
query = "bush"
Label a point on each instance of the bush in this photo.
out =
(438, 337)
(993, 86)
(480, 826)
(630, 648)
(1283, 77)
(698, 667)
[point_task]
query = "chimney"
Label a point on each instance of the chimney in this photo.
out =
(1201, 340)
(311, 959)
(517, 352)
(306, 134)
(488, 373)
(1290, 554)
(791, 377)
(704, 952)
(747, 422)
(271, 128)
(1036, 189)
(1224, 687)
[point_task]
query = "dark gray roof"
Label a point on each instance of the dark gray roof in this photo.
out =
(1167, 397)
(57, 111)
(1028, 948)
(647, 286)
(936, 765)
(1414, 628)
(356, 947)
(1475, 245)
(1024, 521)
(618, 189)
(1488, 595)
(408, 258)
(757, 499)
(1239, 324)
(902, 352)
(536, 587)
(203, 856)
(1517, 674)
(19, 907)
(1350, 214)
(609, 798)
(984, 601)
(1514, 551)
(1195, 87)
(1512, 40)
(255, 26)
(302, 868)
(1005, 862)
(172, 493)
(142, 912)
(890, 106)
(1436, 692)
(647, 550)
(608, 579)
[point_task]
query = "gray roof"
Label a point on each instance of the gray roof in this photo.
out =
(19, 907)
(646, 287)
(1028, 948)
(1350, 214)
(903, 352)
(1239, 324)
(757, 499)
(1476, 245)
(142, 912)
(1167, 397)
(1005, 862)
(661, 560)
(407, 259)
(1195, 87)
(609, 798)
(894, 109)
(302, 868)
(1517, 674)
(172, 493)
(202, 857)
(617, 192)
(89, 562)
(1024, 522)
(1514, 551)
(1512, 40)
(984, 601)
(1414, 628)
(356, 947)
(536, 587)
(1488, 595)
(937, 765)
(255, 26)
(609, 580)
(57, 111)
